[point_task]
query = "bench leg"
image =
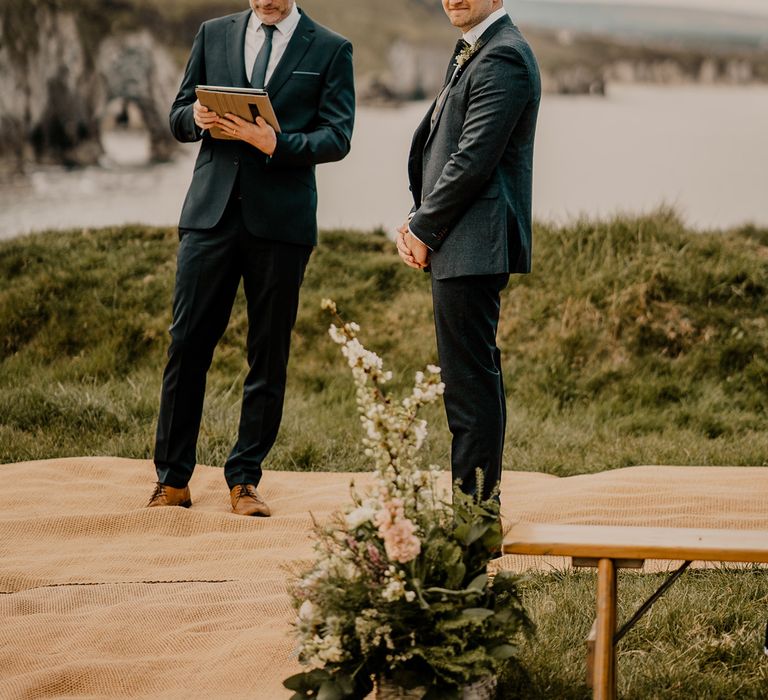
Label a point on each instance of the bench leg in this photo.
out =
(605, 651)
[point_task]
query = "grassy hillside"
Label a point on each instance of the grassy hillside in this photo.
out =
(635, 341)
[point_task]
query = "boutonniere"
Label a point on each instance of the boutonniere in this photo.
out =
(466, 53)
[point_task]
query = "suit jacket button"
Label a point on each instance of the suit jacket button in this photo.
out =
(237, 161)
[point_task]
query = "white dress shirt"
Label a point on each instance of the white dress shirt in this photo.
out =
(477, 31)
(254, 39)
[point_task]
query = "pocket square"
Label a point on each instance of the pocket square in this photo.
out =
(305, 72)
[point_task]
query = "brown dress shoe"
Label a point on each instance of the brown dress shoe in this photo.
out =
(169, 496)
(246, 501)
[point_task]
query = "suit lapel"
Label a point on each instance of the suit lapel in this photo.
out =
(416, 156)
(486, 36)
(303, 36)
(236, 49)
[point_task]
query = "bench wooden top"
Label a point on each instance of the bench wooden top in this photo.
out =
(624, 542)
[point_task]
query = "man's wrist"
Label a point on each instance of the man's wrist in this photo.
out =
(271, 154)
(416, 237)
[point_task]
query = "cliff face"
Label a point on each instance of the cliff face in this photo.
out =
(56, 82)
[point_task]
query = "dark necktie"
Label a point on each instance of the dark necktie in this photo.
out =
(449, 75)
(259, 72)
(460, 46)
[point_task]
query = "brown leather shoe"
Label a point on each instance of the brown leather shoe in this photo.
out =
(246, 501)
(169, 496)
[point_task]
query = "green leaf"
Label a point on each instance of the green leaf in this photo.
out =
(503, 652)
(505, 580)
(493, 539)
(470, 532)
(295, 682)
(455, 575)
(478, 583)
(346, 684)
(477, 614)
(311, 680)
(449, 553)
(330, 690)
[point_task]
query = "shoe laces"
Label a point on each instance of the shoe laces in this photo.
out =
(159, 491)
(249, 491)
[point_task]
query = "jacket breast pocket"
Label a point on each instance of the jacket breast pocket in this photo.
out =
(307, 83)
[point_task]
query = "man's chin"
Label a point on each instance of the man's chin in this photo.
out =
(459, 19)
(269, 17)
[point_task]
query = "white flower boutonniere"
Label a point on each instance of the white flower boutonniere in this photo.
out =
(466, 53)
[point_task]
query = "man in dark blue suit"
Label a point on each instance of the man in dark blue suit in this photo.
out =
(250, 213)
(470, 171)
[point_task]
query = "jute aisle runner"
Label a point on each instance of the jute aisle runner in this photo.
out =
(102, 598)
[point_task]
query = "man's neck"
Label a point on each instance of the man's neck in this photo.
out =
(473, 34)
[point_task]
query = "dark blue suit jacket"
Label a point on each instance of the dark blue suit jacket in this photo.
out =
(312, 92)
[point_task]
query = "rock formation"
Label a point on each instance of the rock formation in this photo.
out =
(57, 80)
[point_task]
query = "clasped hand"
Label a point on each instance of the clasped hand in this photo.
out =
(410, 249)
(259, 134)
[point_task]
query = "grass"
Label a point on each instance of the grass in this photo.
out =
(702, 639)
(635, 341)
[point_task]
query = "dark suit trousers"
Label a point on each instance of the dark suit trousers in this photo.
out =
(209, 268)
(466, 321)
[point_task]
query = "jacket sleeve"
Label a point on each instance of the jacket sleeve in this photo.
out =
(330, 138)
(499, 92)
(181, 118)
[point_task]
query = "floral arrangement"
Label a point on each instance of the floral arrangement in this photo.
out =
(399, 590)
(466, 53)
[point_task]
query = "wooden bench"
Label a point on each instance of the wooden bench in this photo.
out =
(608, 548)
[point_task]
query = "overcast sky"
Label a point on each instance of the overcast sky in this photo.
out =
(758, 7)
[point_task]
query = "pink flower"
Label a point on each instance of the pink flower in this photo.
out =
(400, 542)
(398, 532)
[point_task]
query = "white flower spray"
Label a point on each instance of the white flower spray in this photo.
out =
(392, 437)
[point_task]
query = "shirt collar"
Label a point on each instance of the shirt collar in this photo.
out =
(285, 26)
(477, 31)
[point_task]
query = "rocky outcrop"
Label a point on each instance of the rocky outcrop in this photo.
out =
(135, 70)
(701, 69)
(46, 91)
(56, 86)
